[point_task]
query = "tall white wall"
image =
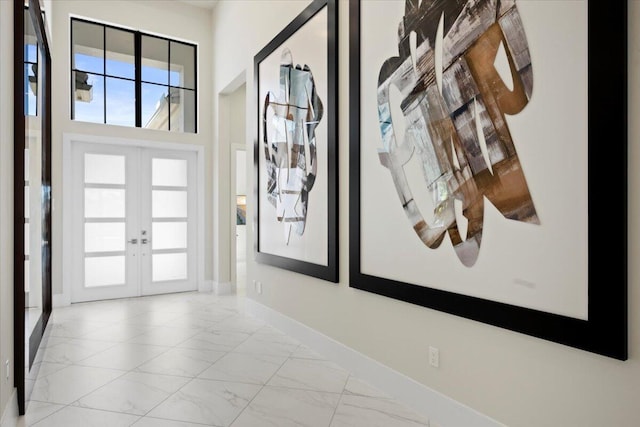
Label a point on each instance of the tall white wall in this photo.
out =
(171, 19)
(6, 202)
(238, 117)
(515, 379)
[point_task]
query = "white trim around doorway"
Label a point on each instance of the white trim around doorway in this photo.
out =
(64, 299)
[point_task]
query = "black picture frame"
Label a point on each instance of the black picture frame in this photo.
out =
(605, 331)
(27, 340)
(297, 26)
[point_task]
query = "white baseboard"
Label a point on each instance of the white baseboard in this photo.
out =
(433, 405)
(10, 414)
(61, 300)
(223, 288)
(205, 286)
(64, 300)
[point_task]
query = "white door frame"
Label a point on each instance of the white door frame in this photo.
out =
(67, 184)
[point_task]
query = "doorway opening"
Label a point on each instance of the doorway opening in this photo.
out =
(233, 130)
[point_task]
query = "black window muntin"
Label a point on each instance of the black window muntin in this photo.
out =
(138, 71)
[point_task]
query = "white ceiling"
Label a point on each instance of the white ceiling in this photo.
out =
(206, 4)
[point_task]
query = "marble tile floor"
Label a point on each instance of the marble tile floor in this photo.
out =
(187, 360)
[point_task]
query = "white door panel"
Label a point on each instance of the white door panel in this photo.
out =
(169, 254)
(134, 227)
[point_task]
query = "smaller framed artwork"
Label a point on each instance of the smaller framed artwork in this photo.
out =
(295, 152)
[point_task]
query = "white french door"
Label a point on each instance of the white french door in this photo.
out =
(134, 221)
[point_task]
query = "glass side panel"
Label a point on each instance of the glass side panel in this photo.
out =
(104, 237)
(169, 267)
(88, 102)
(155, 60)
(169, 235)
(121, 102)
(120, 53)
(183, 110)
(104, 203)
(168, 204)
(104, 169)
(182, 65)
(104, 271)
(155, 106)
(169, 172)
(88, 47)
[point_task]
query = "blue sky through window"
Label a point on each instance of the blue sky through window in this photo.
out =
(92, 111)
(31, 53)
(120, 93)
(31, 61)
(121, 102)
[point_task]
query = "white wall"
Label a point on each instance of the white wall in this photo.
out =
(171, 19)
(515, 379)
(6, 202)
(237, 116)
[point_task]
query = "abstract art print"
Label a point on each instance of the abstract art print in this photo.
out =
(447, 118)
(295, 153)
(474, 144)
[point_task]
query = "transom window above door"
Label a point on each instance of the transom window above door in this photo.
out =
(130, 78)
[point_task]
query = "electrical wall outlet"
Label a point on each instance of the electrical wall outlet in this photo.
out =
(257, 286)
(434, 357)
(6, 370)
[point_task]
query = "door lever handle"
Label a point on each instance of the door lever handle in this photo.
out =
(133, 241)
(145, 241)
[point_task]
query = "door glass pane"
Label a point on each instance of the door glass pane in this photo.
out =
(26, 202)
(155, 60)
(121, 102)
(104, 203)
(155, 107)
(183, 110)
(88, 47)
(27, 277)
(104, 169)
(88, 104)
(26, 164)
(182, 65)
(169, 267)
(169, 172)
(104, 271)
(120, 53)
(169, 235)
(104, 237)
(27, 243)
(169, 204)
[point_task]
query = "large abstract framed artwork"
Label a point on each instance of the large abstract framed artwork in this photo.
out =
(488, 163)
(295, 154)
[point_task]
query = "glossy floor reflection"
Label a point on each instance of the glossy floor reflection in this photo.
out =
(187, 360)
